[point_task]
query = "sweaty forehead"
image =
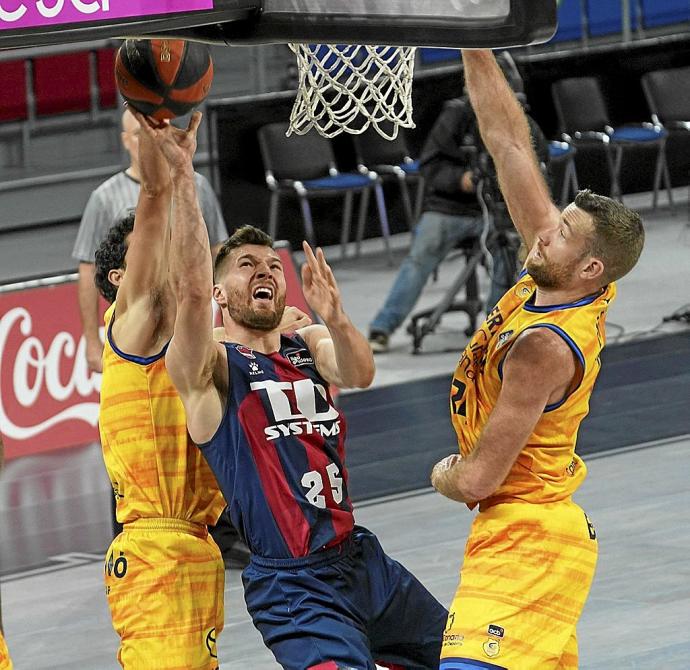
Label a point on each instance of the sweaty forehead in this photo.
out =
(577, 219)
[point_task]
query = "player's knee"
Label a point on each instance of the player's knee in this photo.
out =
(467, 664)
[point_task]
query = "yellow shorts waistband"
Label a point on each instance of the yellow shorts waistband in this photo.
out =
(162, 523)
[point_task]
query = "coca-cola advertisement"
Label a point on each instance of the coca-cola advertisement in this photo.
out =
(48, 398)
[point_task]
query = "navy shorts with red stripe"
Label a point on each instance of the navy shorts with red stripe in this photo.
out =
(345, 608)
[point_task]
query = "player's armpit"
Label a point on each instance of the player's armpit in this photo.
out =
(538, 370)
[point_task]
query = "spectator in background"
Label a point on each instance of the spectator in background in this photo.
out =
(451, 211)
(105, 207)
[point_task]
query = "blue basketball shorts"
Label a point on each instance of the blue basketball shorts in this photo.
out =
(344, 607)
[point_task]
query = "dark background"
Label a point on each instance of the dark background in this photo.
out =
(239, 172)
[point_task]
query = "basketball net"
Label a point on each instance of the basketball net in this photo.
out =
(347, 88)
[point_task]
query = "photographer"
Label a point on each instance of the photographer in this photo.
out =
(450, 162)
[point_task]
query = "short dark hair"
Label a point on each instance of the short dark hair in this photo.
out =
(243, 235)
(110, 255)
(618, 233)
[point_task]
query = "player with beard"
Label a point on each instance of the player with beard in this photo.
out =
(520, 391)
(320, 590)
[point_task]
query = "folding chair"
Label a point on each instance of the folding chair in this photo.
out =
(562, 169)
(583, 119)
(304, 165)
(391, 158)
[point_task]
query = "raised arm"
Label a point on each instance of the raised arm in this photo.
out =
(341, 353)
(506, 135)
(193, 357)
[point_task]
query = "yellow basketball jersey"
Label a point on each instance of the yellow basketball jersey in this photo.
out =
(154, 467)
(547, 469)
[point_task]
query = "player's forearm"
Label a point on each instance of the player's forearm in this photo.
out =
(501, 118)
(88, 303)
(191, 266)
(353, 355)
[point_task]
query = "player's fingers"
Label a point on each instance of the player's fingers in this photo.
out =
(194, 122)
(309, 256)
(323, 265)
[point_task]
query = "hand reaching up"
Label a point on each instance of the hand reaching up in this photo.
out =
(319, 286)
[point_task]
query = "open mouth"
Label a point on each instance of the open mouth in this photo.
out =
(263, 293)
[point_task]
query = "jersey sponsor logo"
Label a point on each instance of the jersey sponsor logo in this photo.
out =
(255, 369)
(503, 338)
(495, 630)
(453, 639)
(245, 351)
(474, 357)
(491, 648)
(300, 358)
(116, 566)
(314, 413)
(211, 643)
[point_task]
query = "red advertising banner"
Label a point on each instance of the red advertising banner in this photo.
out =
(48, 398)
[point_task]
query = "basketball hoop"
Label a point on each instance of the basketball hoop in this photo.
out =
(348, 88)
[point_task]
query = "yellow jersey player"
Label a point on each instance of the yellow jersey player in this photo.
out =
(164, 575)
(520, 391)
(5, 661)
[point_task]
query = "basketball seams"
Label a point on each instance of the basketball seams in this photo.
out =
(164, 87)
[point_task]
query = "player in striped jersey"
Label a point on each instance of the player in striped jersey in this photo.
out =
(320, 590)
(519, 393)
(164, 574)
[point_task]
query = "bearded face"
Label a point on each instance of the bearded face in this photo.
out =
(256, 310)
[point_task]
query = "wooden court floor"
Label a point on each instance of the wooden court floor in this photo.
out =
(636, 617)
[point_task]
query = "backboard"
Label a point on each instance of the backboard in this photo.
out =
(443, 23)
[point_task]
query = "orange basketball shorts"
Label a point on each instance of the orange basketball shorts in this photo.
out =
(525, 578)
(164, 580)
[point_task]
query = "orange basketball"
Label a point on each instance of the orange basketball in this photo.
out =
(163, 78)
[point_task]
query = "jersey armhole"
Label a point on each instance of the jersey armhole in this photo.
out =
(139, 360)
(580, 373)
(226, 409)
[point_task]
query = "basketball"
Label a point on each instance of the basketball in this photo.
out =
(163, 78)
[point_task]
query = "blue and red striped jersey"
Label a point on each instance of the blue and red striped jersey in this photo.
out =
(279, 453)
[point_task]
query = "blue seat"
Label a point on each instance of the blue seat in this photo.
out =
(562, 168)
(391, 158)
(583, 119)
(431, 55)
(657, 13)
(304, 166)
(569, 21)
(605, 17)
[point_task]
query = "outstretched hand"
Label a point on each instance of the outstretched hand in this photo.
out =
(177, 145)
(319, 286)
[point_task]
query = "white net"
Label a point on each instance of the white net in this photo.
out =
(347, 88)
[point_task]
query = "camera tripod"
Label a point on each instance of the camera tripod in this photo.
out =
(502, 239)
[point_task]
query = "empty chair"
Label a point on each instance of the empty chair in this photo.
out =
(62, 84)
(562, 170)
(304, 166)
(391, 158)
(605, 17)
(583, 118)
(570, 21)
(656, 13)
(14, 109)
(668, 97)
